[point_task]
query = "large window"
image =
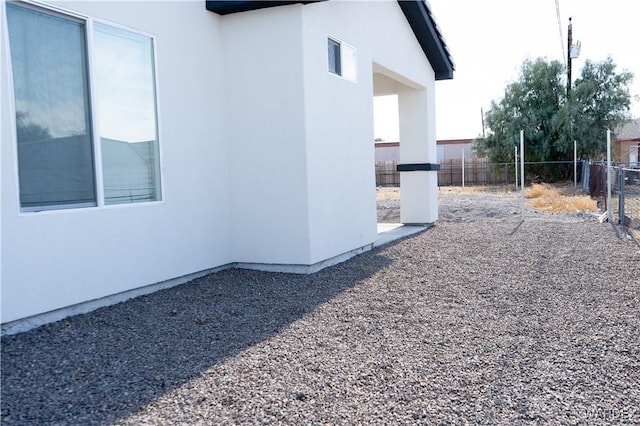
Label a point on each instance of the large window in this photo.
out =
(53, 119)
(126, 99)
(55, 113)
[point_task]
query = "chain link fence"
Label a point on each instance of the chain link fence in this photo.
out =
(625, 194)
(590, 177)
(629, 199)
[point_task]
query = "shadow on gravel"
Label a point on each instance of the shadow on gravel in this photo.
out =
(104, 366)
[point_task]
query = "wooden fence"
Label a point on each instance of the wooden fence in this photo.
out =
(477, 171)
(386, 174)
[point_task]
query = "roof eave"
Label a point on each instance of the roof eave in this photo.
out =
(429, 37)
(228, 7)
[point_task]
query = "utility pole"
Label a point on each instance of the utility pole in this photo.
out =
(569, 42)
(573, 51)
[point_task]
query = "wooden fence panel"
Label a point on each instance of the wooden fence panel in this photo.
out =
(386, 173)
(477, 171)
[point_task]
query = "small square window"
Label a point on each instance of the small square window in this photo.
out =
(335, 65)
(343, 60)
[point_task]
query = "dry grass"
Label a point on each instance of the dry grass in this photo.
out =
(393, 193)
(477, 189)
(558, 199)
(387, 193)
(552, 199)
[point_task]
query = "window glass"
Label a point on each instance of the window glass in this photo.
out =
(55, 149)
(335, 65)
(126, 106)
(633, 156)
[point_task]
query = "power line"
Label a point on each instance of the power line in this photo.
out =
(564, 56)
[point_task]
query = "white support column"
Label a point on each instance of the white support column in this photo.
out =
(419, 188)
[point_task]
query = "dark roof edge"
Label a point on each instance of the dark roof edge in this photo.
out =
(423, 24)
(228, 7)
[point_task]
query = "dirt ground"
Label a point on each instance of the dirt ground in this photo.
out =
(457, 204)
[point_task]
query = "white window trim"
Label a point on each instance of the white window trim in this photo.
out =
(95, 120)
(97, 147)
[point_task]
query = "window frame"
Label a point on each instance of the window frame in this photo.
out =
(92, 103)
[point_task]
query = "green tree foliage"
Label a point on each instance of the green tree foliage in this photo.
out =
(537, 103)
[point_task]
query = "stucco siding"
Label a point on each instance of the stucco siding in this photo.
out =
(59, 258)
(267, 158)
(265, 103)
(339, 116)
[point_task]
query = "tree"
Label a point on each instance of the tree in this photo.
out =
(599, 101)
(538, 103)
(29, 131)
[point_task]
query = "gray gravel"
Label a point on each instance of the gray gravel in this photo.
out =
(478, 320)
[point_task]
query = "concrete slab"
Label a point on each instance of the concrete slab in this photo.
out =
(389, 232)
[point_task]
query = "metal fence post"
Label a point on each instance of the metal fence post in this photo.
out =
(621, 197)
(609, 214)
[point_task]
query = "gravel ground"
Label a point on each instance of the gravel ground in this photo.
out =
(479, 320)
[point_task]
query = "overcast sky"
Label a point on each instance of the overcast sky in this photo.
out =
(490, 39)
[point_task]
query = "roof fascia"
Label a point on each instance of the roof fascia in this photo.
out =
(429, 37)
(228, 7)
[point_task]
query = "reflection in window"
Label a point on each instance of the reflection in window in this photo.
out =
(126, 105)
(334, 57)
(55, 155)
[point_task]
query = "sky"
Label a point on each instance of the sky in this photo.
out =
(489, 40)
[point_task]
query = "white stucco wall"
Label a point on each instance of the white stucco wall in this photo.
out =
(265, 92)
(58, 258)
(267, 158)
(302, 161)
(339, 116)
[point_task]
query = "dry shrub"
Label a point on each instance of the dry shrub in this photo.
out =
(540, 190)
(547, 198)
